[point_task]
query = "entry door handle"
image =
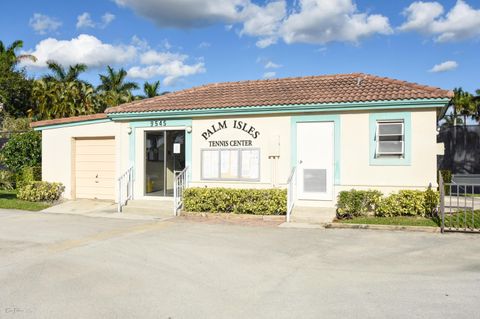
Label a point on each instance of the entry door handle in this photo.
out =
(300, 162)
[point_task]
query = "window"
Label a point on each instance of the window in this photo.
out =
(231, 164)
(390, 139)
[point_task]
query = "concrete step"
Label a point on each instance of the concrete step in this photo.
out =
(149, 207)
(313, 215)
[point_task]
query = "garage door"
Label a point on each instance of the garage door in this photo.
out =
(95, 168)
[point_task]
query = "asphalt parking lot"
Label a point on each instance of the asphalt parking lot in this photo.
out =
(70, 266)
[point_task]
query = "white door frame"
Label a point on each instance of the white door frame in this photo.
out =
(315, 152)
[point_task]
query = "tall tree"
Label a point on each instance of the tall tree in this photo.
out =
(15, 86)
(463, 104)
(114, 88)
(151, 89)
(9, 55)
(61, 74)
(54, 99)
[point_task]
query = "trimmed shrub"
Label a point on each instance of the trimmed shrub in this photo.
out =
(6, 180)
(22, 149)
(408, 203)
(355, 203)
(28, 174)
(237, 201)
(41, 191)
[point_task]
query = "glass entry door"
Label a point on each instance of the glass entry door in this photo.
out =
(164, 159)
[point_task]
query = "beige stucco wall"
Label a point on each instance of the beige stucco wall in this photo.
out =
(272, 129)
(356, 171)
(57, 149)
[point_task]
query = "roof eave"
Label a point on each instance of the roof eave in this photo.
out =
(284, 108)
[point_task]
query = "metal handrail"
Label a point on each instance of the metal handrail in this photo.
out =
(125, 188)
(179, 185)
(291, 192)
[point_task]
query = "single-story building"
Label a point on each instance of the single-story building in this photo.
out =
(336, 132)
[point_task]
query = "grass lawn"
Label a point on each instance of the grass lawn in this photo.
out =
(8, 200)
(400, 221)
(463, 220)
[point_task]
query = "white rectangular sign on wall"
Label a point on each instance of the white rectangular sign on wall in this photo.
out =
(176, 148)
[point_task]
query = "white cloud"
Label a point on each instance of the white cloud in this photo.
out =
(272, 65)
(142, 61)
(460, 23)
(312, 21)
(264, 22)
(269, 75)
(172, 66)
(107, 18)
(171, 70)
(186, 13)
(82, 49)
(141, 44)
(323, 21)
(155, 57)
(43, 24)
(204, 45)
(85, 21)
(444, 67)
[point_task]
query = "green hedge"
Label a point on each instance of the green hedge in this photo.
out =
(237, 201)
(22, 149)
(404, 203)
(27, 175)
(41, 192)
(356, 203)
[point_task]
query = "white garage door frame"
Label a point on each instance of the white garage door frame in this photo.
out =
(74, 160)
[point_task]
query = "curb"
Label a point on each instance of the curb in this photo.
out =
(302, 225)
(424, 229)
(275, 218)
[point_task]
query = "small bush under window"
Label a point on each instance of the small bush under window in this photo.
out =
(237, 201)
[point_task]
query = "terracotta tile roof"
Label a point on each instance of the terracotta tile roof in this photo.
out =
(354, 87)
(66, 120)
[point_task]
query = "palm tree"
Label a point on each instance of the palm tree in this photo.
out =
(8, 53)
(151, 89)
(114, 88)
(463, 104)
(61, 74)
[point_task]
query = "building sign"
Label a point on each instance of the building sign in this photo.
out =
(231, 124)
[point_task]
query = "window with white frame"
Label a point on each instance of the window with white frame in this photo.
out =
(390, 139)
(230, 164)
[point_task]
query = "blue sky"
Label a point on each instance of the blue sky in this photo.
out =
(185, 43)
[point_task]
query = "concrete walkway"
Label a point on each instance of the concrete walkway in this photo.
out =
(101, 208)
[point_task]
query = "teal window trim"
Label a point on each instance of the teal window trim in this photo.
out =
(406, 117)
(168, 123)
(335, 118)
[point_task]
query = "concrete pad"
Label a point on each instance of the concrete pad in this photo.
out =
(73, 266)
(313, 215)
(82, 206)
(108, 209)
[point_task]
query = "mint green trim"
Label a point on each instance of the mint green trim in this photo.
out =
(287, 108)
(47, 127)
(168, 123)
(317, 118)
(406, 117)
